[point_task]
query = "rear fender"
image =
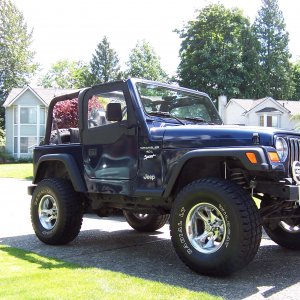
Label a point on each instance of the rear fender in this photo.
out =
(70, 165)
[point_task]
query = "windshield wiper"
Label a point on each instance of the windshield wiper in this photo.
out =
(197, 119)
(165, 114)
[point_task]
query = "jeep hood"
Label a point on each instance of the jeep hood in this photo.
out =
(195, 136)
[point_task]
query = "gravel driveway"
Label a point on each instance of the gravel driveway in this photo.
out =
(109, 243)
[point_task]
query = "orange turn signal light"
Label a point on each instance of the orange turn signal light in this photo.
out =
(252, 157)
(274, 156)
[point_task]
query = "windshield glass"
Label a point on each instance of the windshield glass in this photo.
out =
(163, 101)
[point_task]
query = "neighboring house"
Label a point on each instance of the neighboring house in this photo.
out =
(25, 118)
(265, 112)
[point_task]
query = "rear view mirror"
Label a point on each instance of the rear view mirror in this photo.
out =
(114, 112)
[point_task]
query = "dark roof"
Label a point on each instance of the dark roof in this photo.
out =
(269, 109)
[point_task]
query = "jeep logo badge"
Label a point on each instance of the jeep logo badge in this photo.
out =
(296, 171)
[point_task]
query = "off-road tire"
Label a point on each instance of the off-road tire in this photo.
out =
(146, 222)
(56, 211)
(281, 234)
(65, 136)
(238, 232)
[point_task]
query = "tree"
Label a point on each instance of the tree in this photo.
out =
(274, 55)
(105, 63)
(16, 58)
(296, 118)
(144, 63)
(251, 75)
(296, 80)
(213, 51)
(2, 138)
(66, 74)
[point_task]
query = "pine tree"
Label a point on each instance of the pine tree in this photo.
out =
(105, 63)
(276, 74)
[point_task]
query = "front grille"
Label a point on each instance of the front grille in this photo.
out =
(294, 150)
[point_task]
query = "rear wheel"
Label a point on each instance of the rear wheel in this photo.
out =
(215, 227)
(145, 222)
(56, 211)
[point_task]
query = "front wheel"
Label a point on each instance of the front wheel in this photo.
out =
(145, 222)
(56, 211)
(215, 227)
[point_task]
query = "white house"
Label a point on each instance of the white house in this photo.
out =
(262, 112)
(25, 118)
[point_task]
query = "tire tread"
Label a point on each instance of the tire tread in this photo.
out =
(73, 212)
(251, 224)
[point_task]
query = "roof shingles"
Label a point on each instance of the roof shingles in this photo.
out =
(45, 94)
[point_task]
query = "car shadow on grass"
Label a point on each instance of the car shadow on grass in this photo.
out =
(33, 258)
(152, 257)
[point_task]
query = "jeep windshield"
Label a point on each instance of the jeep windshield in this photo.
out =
(183, 106)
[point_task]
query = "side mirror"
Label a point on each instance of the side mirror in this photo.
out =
(114, 112)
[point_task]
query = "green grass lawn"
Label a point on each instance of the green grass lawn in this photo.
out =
(25, 275)
(21, 171)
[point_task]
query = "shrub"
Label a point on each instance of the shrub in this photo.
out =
(24, 160)
(5, 156)
(2, 137)
(65, 113)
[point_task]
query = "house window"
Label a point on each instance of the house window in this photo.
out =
(26, 144)
(28, 115)
(15, 144)
(269, 121)
(42, 115)
(275, 121)
(261, 121)
(272, 121)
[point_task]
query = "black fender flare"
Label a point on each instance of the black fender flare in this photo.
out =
(71, 166)
(239, 153)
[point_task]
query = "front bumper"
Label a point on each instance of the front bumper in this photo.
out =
(280, 189)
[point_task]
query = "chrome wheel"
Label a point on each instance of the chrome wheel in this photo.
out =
(141, 216)
(215, 226)
(143, 222)
(289, 228)
(205, 228)
(48, 212)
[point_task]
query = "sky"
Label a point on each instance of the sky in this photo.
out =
(70, 29)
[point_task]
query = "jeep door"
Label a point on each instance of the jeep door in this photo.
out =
(110, 149)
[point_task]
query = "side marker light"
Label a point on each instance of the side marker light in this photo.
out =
(274, 156)
(252, 157)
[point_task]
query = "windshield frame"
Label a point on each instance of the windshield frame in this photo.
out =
(213, 113)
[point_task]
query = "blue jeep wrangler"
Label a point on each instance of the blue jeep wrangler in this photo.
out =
(160, 153)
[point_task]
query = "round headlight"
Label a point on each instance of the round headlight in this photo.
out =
(282, 148)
